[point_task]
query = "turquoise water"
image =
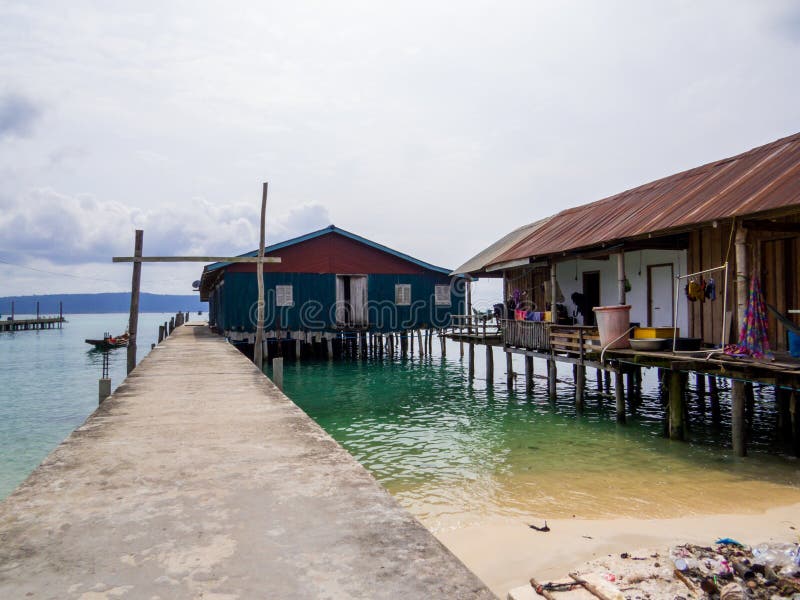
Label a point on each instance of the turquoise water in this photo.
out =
(455, 452)
(50, 384)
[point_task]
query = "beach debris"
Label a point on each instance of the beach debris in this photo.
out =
(541, 590)
(732, 591)
(729, 542)
(599, 588)
(682, 578)
(544, 529)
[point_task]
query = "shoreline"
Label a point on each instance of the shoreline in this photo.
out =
(505, 553)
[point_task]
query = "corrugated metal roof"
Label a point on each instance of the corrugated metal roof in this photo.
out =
(762, 179)
(478, 263)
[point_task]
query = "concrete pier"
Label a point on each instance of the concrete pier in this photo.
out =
(198, 478)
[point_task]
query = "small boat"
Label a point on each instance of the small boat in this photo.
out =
(108, 342)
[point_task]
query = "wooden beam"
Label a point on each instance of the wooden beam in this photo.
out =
(771, 226)
(203, 259)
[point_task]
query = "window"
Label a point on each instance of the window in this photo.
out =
(402, 294)
(442, 295)
(284, 295)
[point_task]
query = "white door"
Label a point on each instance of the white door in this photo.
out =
(660, 299)
(358, 300)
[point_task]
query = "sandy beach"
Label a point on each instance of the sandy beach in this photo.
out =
(505, 553)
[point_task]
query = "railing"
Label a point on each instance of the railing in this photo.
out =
(481, 325)
(531, 335)
(575, 339)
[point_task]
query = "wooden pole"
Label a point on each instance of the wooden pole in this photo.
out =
(552, 375)
(619, 393)
(489, 365)
(794, 412)
(471, 361)
(443, 342)
(677, 392)
(277, 372)
(421, 346)
(741, 273)
(621, 276)
(580, 387)
(509, 371)
(553, 295)
(258, 353)
(133, 319)
(737, 417)
(529, 373)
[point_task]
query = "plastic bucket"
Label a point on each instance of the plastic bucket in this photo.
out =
(794, 344)
(613, 322)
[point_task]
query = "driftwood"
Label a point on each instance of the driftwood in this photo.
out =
(589, 587)
(680, 576)
(539, 589)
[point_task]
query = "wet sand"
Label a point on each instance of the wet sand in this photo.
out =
(505, 553)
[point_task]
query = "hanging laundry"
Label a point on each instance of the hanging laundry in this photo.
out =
(711, 289)
(753, 337)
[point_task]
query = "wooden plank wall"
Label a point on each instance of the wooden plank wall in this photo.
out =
(531, 282)
(779, 263)
(708, 247)
(780, 254)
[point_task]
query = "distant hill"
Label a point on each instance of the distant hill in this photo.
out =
(101, 303)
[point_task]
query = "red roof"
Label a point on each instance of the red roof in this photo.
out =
(763, 179)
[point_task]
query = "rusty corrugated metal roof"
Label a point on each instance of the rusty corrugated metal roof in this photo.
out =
(762, 179)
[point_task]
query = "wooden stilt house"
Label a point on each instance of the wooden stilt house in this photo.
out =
(331, 282)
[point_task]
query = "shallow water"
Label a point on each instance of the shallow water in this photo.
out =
(454, 452)
(49, 385)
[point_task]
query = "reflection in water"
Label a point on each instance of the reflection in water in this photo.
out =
(453, 452)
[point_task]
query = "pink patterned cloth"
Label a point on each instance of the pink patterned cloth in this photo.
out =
(753, 338)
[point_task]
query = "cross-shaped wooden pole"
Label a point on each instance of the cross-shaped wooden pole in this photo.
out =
(137, 259)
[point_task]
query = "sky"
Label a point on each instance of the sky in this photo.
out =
(431, 127)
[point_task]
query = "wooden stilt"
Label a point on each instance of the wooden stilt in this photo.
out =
(509, 371)
(552, 376)
(607, 381)
(700, 385)
(461, 347)
(738, 401)
(471, 361)
(749, 406)
(713, 396)
(411, 341)
(298, 348)
(529, 373)
(329, 348)
(489, 365)
(599, 380)
(631, 385)
(794, 412)
(782, 406)
(580, 384)
(421, 346)
(677, 388)
(443, 342)
(619, 392)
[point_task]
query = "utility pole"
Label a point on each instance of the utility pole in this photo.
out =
(133, 321)
(258, 350)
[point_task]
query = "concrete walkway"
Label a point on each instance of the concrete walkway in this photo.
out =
(199, 479)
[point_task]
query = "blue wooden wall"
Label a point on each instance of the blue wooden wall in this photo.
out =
(233, 306)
